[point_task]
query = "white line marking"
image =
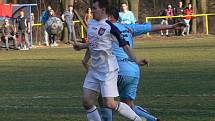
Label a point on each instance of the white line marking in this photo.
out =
(75, 96)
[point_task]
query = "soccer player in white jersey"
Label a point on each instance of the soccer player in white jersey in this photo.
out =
(103, 72)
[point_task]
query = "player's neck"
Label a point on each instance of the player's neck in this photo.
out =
(102, 17)
(125, 11)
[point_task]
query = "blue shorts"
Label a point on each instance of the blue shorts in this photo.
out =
(127, 87)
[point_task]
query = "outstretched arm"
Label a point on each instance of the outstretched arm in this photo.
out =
(139, 29)
(122, 43)
(158, 27)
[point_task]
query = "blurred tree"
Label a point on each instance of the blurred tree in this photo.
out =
(134, 7)
(194, 22)
(203, 7)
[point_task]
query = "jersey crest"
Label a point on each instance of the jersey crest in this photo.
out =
(101, 31)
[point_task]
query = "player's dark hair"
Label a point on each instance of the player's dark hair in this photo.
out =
(114, 12)
(124, 3)
(103, 4)
(70, 6)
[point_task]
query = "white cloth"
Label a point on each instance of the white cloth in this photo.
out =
(100, 46)
(93, 114)
(107, 88)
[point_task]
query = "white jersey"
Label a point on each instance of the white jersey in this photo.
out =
(100, 47)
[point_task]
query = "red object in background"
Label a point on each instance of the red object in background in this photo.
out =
(6, 10)
(188, 12)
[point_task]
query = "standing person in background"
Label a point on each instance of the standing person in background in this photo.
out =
(164, 21)
(179, 11)
(67, 17)
(167, 21)
(8, 33)
(23, 30)
(126, 16)
(188, 11)
(52, 37)
(44, 19)
(33, 18)
(88, 16)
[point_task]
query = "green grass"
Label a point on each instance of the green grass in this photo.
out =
(46, 84)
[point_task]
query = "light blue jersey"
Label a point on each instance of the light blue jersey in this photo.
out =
(129, 72)
(127, 66)
(127, 18)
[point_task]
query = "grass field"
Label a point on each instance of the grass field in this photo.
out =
(46, 84)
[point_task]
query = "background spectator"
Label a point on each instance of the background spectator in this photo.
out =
(126, 16)
(52, 37)
(179, 11)
(44, 19)
(23, 30)
(187, 11)
(33, 18)
(88, 16)
(166, 21)
(8, 33)
(68, 19)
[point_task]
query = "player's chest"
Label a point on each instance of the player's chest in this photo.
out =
(99, 37)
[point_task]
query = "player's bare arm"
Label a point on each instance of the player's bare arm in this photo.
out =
(130, 53)
(79, 46)
(158, 27)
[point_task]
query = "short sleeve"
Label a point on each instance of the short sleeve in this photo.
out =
(116, 32)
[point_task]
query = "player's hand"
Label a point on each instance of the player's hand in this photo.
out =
(77, 46)
(179, 25)
(85, 64)
(143, 62)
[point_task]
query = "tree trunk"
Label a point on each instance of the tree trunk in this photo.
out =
(114, 3)
(135, 7)
(194, 25)
(187, 2)
(203, 6)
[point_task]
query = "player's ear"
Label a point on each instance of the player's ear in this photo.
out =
(103, 10)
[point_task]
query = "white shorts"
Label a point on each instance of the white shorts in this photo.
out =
(107, 87)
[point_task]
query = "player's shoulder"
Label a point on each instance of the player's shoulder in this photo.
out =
(130, 12)
(119, 25)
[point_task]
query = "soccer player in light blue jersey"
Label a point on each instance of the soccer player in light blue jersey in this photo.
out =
(129, 73)
(126, 16)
